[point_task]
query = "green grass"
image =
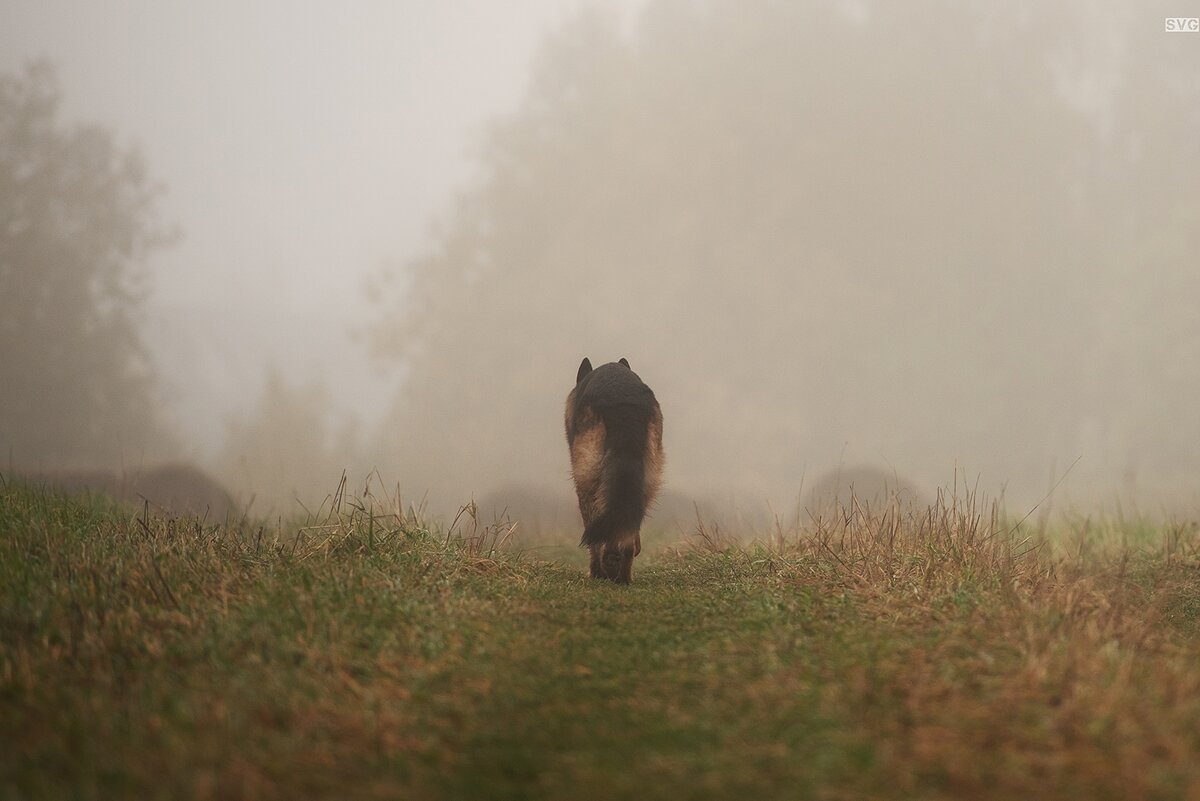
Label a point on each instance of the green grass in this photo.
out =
(877, 655)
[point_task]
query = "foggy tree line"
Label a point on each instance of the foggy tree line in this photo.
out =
(949, 233)
(78, 226)
(79, 402)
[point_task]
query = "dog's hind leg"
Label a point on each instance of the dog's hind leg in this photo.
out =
(625, 570)
(610, 562)
(619, 558)
(597, 565)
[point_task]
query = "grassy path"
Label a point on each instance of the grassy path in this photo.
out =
(883, 657)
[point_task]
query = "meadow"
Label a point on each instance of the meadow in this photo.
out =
(942, 652)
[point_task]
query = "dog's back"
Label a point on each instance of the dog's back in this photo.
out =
(614, 430)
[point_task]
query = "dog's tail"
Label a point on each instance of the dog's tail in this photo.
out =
(624, 483)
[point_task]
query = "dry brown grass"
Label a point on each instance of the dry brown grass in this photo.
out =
(1035, 662)
(940, 652)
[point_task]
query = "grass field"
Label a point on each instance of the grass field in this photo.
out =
(878, 654)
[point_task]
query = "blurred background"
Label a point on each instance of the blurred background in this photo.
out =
(913, 243)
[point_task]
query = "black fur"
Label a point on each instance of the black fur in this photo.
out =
(626, 405)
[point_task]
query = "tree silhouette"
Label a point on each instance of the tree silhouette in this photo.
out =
(805, 225)
(77, 222)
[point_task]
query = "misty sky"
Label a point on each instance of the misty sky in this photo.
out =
(302, 145)
(961, 242)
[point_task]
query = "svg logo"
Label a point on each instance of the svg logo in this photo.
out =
(1182, 25)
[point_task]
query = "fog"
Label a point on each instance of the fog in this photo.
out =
(949, 242)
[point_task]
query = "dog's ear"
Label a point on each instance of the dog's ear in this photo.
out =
(585, 367)
(625, 362)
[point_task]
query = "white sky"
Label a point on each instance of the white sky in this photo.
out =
(301, 145)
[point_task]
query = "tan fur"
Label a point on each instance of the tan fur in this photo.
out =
(587, 435)
(654, 458)
(587, 462)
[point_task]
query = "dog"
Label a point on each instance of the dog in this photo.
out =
(614, 432)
